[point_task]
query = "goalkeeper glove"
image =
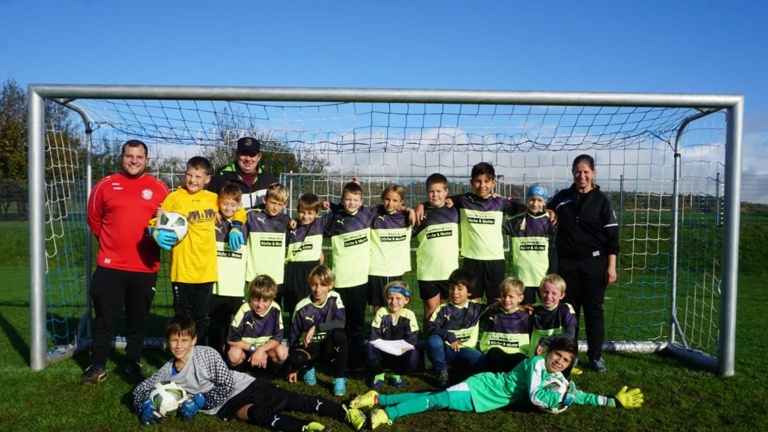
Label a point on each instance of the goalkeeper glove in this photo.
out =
(236, 236)
(626, 399)
(190, 407)
(164, 238)
(571, 396)
(149, 414)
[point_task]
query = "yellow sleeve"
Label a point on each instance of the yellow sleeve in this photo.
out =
(239, 215)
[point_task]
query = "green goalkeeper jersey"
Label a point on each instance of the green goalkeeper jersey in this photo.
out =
(522, 386)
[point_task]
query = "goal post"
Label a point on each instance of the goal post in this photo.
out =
(671, 164)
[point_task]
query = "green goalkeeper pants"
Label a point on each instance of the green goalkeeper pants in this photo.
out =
(398, 405)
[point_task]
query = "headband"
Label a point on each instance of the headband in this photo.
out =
(400, 290)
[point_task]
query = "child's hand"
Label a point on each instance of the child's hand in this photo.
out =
(326, 205)
(259, 358)
(419, 214)
(552, 216)
(356, 181)
(293, 376)
(293, 224)
(218, 218)
(528, 308)
(449, 203)
(412, 217)
(496, 195)
(149, 415)
(308, 337)
(456, 346)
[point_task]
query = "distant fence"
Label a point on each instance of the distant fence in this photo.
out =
(14, 196)
(754, 188)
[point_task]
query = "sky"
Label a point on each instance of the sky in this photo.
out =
(654, 46)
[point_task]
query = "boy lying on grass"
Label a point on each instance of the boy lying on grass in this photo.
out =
(215, 389)
(488, 391)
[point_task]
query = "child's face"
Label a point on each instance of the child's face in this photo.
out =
(195, 179)
(392, 201)
(557, 361)
(536, 204)
(351, 202)
(510, 301)
(181, 345)
(396, 301)
(550, 295)
(483, 185)
(318, 290)
(228, 207)
(273, 206)
(260, 305)
(436, 193)
(307, 216)
(458, 294)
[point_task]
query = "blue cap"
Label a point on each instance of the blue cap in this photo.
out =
(400, 289)
(538, 189)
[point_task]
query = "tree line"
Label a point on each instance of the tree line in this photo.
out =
(65, 140)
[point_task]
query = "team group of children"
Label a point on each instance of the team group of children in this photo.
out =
(281, 261)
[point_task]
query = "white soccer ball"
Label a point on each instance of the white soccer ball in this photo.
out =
(175, 222)
(167, 396)
(560, 385)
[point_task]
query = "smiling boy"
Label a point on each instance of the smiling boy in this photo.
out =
(488, 391)
(194, 267)
(217, 390)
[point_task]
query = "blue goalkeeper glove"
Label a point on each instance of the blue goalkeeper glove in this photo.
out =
(236, 236)
(164, 238)
(190, 407)
(149, 414)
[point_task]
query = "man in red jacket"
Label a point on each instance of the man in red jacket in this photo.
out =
(119, 208)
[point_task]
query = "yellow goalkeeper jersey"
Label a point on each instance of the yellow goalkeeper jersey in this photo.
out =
(193, 260)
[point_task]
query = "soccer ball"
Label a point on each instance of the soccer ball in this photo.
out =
(175, 222)
(560, 385)
(166, 396)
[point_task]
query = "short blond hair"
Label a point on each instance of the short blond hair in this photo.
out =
(277, 192)
(262, 287)
(512, 285)
(323, 273)
(554, 279)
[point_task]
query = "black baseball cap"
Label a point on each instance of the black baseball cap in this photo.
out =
(248, 144)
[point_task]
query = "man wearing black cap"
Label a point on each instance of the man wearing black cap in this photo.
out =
(246, 173)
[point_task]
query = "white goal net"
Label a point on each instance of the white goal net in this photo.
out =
(666, 161)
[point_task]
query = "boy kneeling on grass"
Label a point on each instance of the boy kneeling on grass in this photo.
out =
(215, 389)
(489, 391)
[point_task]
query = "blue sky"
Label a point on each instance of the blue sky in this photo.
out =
(650, 46)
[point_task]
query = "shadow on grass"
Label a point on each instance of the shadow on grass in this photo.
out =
(14, 337)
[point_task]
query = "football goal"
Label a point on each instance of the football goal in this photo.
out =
(670, 163)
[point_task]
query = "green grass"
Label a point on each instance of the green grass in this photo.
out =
(678, 396)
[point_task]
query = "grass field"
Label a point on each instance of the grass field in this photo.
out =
(678, 396)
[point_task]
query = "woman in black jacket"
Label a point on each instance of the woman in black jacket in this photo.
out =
(587, 245)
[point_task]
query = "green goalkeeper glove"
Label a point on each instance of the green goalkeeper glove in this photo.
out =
(571, 396)
(626, 399)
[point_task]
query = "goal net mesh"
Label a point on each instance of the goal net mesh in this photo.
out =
(318, 147)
